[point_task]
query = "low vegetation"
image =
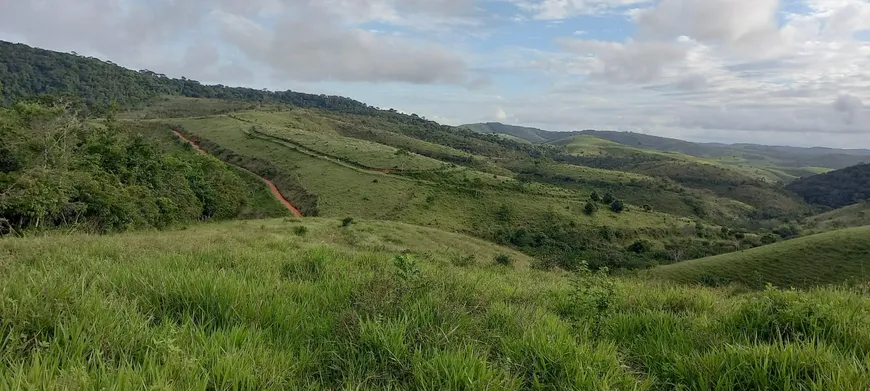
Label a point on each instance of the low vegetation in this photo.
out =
(374, 306)
(828, 258)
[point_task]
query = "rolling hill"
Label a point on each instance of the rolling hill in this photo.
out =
(835, 189)
(779, 163)
(827, 258)
(848, 216)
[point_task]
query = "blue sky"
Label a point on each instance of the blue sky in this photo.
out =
(794, 72)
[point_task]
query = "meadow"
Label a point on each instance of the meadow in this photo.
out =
(312, 304)
(833, 257)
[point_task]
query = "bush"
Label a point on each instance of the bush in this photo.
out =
(617, 206)
(590, 208)
(595, 197)
(503, 259)
(608, 198)
(300, 230)
(347, 221)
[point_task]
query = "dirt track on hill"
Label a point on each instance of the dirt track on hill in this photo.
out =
(272, 187)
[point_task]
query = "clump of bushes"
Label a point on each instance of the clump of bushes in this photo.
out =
(347, 221)
(300, 230)
(504, 260)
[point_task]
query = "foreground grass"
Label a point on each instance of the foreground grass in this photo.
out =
(828, 258)
(377, 305)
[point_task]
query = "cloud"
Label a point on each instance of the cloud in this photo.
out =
(315, 49)
(852, 107)
(298, 40)
(629, 62)
(562, 9)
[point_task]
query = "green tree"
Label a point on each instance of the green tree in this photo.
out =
(617, 206)
(608, 198)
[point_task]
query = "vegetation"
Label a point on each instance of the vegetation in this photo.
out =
(851, 216)
(835, 189)
(59, 170)
(252, 306)
(828, 258)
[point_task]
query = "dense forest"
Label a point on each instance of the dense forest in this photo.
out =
(835, 189)
(57, 169)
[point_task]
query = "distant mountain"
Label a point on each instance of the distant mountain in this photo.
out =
(792, 162)
(533, 135)
(835, 189)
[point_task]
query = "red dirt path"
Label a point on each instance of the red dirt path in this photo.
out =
(271, 185)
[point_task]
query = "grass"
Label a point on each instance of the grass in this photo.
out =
(828, 258)
(249, 305)
(470, 200)
(850, 216)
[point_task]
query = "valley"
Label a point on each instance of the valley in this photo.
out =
(166, 234)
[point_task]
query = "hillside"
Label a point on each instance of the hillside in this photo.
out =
(779, 163)
(849, 216)
(828, 258)
(58, 170)
(533, 135)
(835, 189)
(309, 305)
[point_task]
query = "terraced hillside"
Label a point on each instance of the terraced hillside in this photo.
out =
(311, 305)
(827, 258)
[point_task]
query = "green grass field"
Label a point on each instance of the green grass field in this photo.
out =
(851, 216)
(828, 258)
(346, 191)
(305, 304)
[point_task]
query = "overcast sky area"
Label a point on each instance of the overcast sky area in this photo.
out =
(785, 72)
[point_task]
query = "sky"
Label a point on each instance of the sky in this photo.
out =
(783, 72)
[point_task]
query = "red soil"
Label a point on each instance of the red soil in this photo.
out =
(271, 185)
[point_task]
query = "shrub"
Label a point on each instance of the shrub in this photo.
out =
(503, 259)
(590, 208)
(595, 197)
(617, 206)
(347, 221)
(300, 230)
(608, 198)
(647, 208)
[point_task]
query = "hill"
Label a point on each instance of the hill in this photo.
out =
(533, 135)
(835, 189)
(828, 258)
(849, 216)
(59, 170)
(780, 163)
(310, 305)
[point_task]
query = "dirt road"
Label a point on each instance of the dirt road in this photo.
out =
(272, 187)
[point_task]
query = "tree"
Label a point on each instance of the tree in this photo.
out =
(595, 197)
(590, 208)
(617, 206)
(647, 208)
(609, 198)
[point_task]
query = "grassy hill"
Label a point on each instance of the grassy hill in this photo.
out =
(309, 305)
(533, 135)
(835, 189)
(828, 258)
(778, 163)
(850, 216)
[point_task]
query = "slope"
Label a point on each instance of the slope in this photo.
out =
(308, 305)
(849, 216)
(835, 189)
(533, 135)
(828, 258)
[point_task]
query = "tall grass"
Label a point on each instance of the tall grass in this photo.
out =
(244, 306)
